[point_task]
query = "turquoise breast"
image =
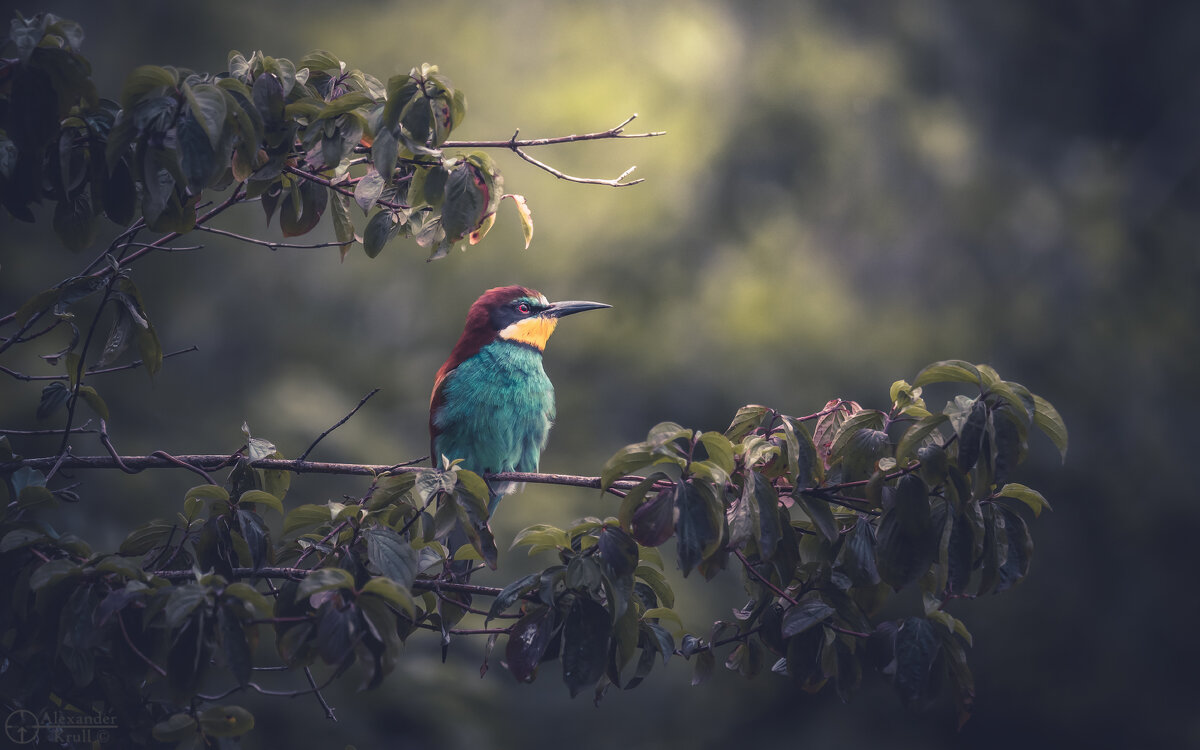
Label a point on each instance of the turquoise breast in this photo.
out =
(496, 411)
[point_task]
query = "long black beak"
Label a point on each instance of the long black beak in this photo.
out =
(562, 309)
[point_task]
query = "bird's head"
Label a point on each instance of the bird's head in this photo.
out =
(519, 315)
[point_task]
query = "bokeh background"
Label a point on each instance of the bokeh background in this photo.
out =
(846, 192)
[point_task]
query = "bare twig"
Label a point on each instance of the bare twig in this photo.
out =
(339, 423)
(103, 371)
(512, 143)
(267, 243)
(518, 147)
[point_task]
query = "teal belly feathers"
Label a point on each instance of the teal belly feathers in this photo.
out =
(495, 412)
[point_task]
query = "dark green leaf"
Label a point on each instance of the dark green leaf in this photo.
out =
(809, 610)
(858, 554)
(618, 551)
(511, 593)
(820, 513)
(234, 647)
(694, 528)
(75, 221)
(527, 642)
(654, 520)
(391, 555)
(1020, 550)
(916, 435)
(175, 728)
(907, 540)
(324, 580)
(917, 646)
(54, 395)
(313, 200)
(182, 601)
(585, 644)
(226, 721)
(1046, 417)
(970, 436)
(1026, 495)
(948, 371)
(381, 228)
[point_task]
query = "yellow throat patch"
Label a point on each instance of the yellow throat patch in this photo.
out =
(532, 331)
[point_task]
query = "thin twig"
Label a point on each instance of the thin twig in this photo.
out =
(513, 143)
(339, 423)
(267, 243)
(131, 366)
(763, 579)
(320, 698)
(129, 642)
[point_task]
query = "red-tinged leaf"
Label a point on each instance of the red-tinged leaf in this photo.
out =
(527, 642)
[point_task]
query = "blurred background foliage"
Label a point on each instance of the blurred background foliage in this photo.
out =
(847, 192)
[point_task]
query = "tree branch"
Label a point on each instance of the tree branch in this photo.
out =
(213, 462)
(518, 147)
(339, 423)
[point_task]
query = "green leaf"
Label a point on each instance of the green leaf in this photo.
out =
(857, 554)
(262, 606)
(695, 530)
(304, 518)
(262, 498)
(390, 590)
(226, 721)
(628, 459)
(585, 644)
(665, 613)
(54, 395)
(19, 538)
(748, 418)
(1046, 417)
(917, 647)
(808, 611)
(234, 646)
(182, 601)
(52, 572)
(175, 728)
(512, 593)
(74, 221)
(821, 515)
(1027, 495)
(345, 103)
(207, 104)
(720, 450)
(324, 579)
(658, 584)
(381, 228)
(141, 540)
(949, 371)
(208, 492)
(527, 642)
(343, 225)
(541, 536)
(313, 200)
(391, 555)
(867, 419)
(915, 436)
(970, 436)
(1019, 552)
(907, 540)
(143, 80)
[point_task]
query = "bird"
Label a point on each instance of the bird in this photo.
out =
(492, 404)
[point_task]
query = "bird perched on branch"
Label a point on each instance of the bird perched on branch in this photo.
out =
(492, 404)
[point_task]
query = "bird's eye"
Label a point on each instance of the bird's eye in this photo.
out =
(523, 308)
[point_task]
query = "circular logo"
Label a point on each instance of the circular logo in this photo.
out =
(21, 726)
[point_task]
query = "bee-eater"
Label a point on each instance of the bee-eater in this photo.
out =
(492, 404)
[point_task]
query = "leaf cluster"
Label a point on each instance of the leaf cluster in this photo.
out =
(302, 138)
(828, 525)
